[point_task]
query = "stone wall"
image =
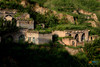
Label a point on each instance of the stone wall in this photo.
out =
(16, 35)
(25, 24)
(45, 38)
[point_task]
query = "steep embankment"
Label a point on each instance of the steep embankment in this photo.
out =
(89, 16)
(76, 11)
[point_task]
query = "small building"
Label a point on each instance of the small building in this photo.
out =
(31, 36)
(24, 21)
(78, 36)
(38, 38)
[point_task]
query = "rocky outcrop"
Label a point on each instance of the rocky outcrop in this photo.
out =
(70, 18)
(66, 17)
(24, 3)
(43, 11)
(85, 12)
(73, 51)
(40, 10)
(93, 23)
(93, 15)
(90, 16)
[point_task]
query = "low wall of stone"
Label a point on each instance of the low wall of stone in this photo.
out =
(26, 24)
(45, 38)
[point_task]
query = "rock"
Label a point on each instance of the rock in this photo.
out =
(43, 11)
(72, 51)
(40, 10)
(75, 12)
(54, 12)
(93, 23)
(94, 16)
(60, 16)
(70, 18)
(85, 12)
(23, 3)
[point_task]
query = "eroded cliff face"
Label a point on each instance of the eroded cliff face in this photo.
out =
(67, 18)
(95, 21)
(43, 11)
(93, 15)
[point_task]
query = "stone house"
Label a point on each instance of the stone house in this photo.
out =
(28, 34)
(24, 21)
(31, 36)
(78, 36)
(38, 38)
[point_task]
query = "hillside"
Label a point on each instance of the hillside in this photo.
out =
(59, 15)
(69, 6)
(50, 33)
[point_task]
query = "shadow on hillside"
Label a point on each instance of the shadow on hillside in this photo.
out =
(18, 55)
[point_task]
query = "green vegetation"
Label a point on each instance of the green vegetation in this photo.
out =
(37, 1)
(69, 5)
(37, 56)
(50, 21)
(92, 50)
(52, 54)
(11, 5)
(7, 26)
